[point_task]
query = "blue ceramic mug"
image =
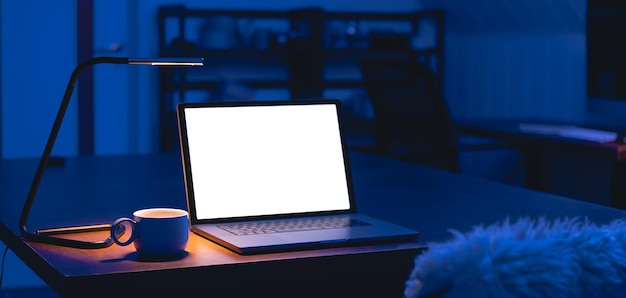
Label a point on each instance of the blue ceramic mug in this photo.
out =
(156, 232)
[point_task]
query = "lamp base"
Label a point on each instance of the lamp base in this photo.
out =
(79, 229)
(48, 236)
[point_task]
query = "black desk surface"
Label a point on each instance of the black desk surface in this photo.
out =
(608, 159)
(100, 189)
(509, 130)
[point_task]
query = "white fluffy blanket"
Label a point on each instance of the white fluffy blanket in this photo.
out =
(526, 258)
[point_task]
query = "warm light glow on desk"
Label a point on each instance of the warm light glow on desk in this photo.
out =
(45, 235)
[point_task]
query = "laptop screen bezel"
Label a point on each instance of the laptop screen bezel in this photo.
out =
(187, 171)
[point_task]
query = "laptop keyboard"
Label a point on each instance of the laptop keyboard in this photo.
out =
(292, 225)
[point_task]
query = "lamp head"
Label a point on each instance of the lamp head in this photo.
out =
(167, 61)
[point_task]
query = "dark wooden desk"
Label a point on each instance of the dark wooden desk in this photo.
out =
(100, 189)
(536, 146)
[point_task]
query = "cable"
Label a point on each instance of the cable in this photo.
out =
(4, 255)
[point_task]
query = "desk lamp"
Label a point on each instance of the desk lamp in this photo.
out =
(45, 236)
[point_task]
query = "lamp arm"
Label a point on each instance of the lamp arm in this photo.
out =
(43, 162)
(44, 235)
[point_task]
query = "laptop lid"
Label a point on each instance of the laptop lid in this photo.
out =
(255, 160)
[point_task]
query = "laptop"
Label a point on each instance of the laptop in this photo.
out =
(270, 176)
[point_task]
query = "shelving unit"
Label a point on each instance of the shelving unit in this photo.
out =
(304, 51)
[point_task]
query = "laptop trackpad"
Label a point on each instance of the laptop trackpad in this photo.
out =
(334, 235)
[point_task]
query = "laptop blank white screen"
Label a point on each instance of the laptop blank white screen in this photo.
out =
(264, 160)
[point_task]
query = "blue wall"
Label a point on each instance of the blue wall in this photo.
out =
(520, 59)
(38, 54)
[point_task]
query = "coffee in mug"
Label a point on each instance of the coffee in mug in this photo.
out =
(156, 232)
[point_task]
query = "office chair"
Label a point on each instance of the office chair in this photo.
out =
(412, 120)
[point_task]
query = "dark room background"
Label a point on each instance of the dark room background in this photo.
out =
(503, 59)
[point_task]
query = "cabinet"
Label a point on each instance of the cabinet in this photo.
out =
(302, 51)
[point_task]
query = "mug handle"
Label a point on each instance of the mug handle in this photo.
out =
(115, 234)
